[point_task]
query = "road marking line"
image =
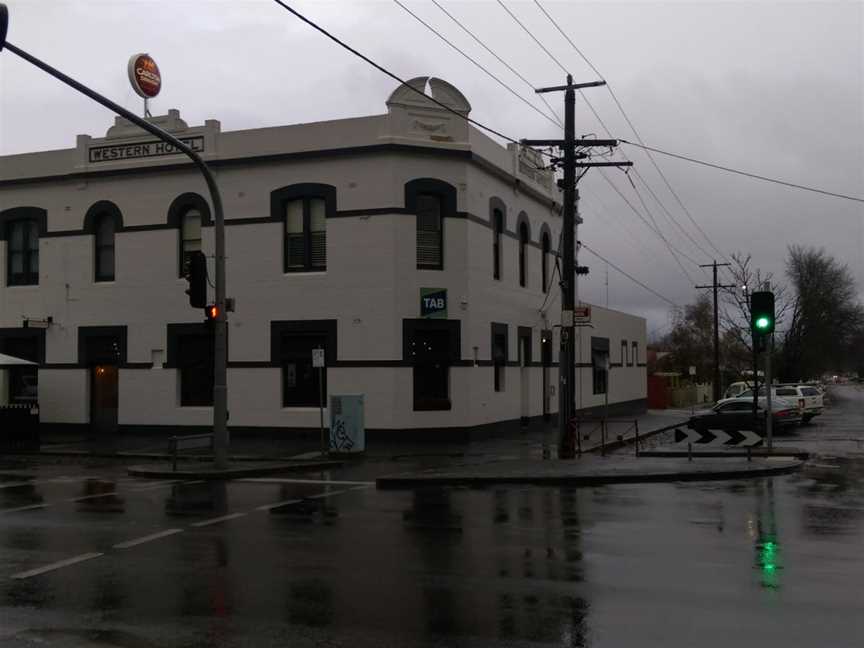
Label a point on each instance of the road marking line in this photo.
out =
(57, 565)
(31, 507)
(153, 536)
(89, 497)
(268, 507)
(275, 480)
(224, 518)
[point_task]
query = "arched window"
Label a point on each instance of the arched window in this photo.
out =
(497, 232)
(523, 244)
(104, 247)
(22, 238)
(544, 263)
(190, 234)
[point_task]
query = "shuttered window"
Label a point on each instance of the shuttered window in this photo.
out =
(23, 253)
(545, 262)
(523, 245)
(497, 231)
(305, 235)
(430, 230)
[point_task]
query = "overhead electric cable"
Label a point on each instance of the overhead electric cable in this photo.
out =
(555, 120)
(393, 76)
(500, 60)
(630, 277)
(755, 176)
(635, 131)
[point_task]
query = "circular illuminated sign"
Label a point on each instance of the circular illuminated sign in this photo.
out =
(762, 322)
(144, 75)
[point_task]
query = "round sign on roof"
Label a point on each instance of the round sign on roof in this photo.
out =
(144, 75)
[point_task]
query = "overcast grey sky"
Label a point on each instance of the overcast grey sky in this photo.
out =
(776, 88)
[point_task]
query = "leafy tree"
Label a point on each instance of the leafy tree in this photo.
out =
(691, 340)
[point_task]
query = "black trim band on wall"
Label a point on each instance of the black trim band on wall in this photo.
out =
(87, 353)
(325, 327)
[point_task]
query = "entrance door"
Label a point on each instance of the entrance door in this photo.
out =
(524, 386)
(103, 399)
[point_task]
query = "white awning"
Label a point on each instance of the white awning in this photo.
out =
(11, 361)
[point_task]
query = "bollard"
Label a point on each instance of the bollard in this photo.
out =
(689, 452)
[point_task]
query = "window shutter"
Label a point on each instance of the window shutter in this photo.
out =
(429, 235)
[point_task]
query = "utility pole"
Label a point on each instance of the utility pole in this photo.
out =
(566, 358)
(716, 286)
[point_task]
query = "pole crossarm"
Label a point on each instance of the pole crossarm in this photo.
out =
(571, 86)
(604, 143)
(588, 165)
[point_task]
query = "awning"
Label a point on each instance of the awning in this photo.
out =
(12, 361)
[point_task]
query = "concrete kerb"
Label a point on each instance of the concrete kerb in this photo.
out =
(418, 480)
(234, 472)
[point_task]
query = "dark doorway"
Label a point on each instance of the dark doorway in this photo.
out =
(102, 349)
(104, 399)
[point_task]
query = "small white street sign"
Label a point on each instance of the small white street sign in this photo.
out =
(317, 358)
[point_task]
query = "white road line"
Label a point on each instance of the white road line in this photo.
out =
(268, 507)
(57, 565)
(224, 518)
(31, 507)
(275, 480)
(153, 536)
(84, 498)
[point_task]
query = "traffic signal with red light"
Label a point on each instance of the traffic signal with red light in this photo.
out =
(195, 272)
(212, 312)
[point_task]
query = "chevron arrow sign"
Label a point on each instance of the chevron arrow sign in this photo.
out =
(718, 437)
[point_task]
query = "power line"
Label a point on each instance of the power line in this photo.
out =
(747, 174)
(660, 234)
(635, 131)
(534, 38)
(599, 119)
(629, 276)
(479, 65)
(393, 76)
(500, 60)
(642, 218)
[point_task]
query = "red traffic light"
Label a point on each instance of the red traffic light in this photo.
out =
(212, 312)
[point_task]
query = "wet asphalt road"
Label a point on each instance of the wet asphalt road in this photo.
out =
(90, 557)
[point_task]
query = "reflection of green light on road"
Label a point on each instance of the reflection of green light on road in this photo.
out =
(767, 561)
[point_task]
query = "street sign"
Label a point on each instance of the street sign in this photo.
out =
(718, 437)
(318, 358)
(582, 315)
(433, 303)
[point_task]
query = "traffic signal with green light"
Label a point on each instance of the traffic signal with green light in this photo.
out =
(762, 312)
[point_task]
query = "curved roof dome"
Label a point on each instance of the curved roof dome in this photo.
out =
(438, 89)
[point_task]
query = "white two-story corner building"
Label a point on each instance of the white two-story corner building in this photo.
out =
(410, 246)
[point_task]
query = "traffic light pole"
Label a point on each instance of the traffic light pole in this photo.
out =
(566, 358)
(220, 389)
(716, 286)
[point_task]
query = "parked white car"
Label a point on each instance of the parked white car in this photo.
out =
(809, 399)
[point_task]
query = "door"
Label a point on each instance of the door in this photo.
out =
(524, 382)
(546, 361)
(104, 399)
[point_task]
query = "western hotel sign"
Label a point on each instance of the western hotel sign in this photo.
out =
(114, 152)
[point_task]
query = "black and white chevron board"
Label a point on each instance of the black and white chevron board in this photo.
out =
(738, 438)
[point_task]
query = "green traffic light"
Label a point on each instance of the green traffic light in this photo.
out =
(763, 323)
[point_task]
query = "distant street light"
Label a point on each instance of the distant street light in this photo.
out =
(220, 356)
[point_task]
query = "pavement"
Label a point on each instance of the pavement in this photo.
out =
(591, 471)
(91, 556)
